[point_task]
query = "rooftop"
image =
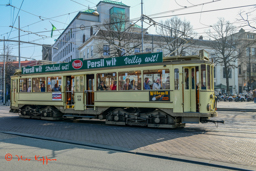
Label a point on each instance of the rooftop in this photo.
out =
(113, 2)
(89, 11)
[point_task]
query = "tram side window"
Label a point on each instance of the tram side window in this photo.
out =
(28, 84)
(130, 80)
(54, 84)
(38, 84)
(203, 77)
(23, 85)
(106, 81)
(176, 79)
(208, 77)
(156, 79)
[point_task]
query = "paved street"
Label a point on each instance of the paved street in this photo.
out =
(236, 105)
(233, 142)
(63, 156)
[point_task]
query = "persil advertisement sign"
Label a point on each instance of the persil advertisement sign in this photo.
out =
(77, 64)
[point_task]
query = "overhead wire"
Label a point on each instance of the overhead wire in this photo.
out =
(15, 18)
(197, 12)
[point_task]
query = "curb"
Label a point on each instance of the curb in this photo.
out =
(236, 109)
(191, 160)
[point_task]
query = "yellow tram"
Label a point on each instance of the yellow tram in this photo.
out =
(143, 89)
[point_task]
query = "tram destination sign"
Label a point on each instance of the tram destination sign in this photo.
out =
(79, 64)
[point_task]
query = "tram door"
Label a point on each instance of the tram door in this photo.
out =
(90, 90)
(70, 91)
(79, 92)
(189, 89)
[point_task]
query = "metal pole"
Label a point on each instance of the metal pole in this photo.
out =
(152, 44)
(4, 74)
(142, 26)
(19, 43)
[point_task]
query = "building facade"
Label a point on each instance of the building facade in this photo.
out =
(47, 52)
(84, 26)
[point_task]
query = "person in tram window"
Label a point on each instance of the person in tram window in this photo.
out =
(133, 85)
(139, 84)
(42, 87)
(167, 83)
(29, 88)
(146, 84)
(24, 88)
(56, 88)
(113, 86)
(157, 85)
(127, 85)
(102, 86)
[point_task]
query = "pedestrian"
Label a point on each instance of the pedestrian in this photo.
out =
(254, 95)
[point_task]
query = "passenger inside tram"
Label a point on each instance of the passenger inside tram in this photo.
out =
(127, 85)
(146, 84)
(157, 85)
(102, 86)
(42, 87)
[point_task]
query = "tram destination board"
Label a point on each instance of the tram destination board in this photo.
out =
(159, 95)
(79, 64)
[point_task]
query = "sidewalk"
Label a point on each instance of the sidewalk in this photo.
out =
(236, 106)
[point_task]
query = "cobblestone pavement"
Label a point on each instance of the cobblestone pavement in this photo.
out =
(233, 142)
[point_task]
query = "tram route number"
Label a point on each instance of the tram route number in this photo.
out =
(79, 98)
(159, 95)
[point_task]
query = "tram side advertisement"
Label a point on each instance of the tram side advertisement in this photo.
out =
(159, 95)
(78, 64)
(56, 96)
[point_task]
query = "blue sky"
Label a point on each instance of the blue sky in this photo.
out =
(68, 8)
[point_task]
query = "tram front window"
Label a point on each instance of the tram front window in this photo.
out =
(203, 76)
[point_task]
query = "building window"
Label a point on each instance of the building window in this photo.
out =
(84, 54)
(159, 50)
(247, 51)
(88, 52)
(148, 49)
(106, 50)
(91, 31)
(91, 51)
(250, 36)
(253, 51)
(83, 38)
(71, 47)
(117, 16)
(239, 69)
(137, 50)
(229, 73)
(123, 52)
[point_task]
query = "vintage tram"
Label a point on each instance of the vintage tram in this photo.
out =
(143, 89)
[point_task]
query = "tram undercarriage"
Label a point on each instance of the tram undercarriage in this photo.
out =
(146, 117)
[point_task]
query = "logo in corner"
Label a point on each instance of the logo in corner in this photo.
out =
(77, 64)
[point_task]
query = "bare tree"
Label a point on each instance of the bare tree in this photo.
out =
(246, 17)
(120, 36)
(226, 46)
(9, 69)
(176, 35)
